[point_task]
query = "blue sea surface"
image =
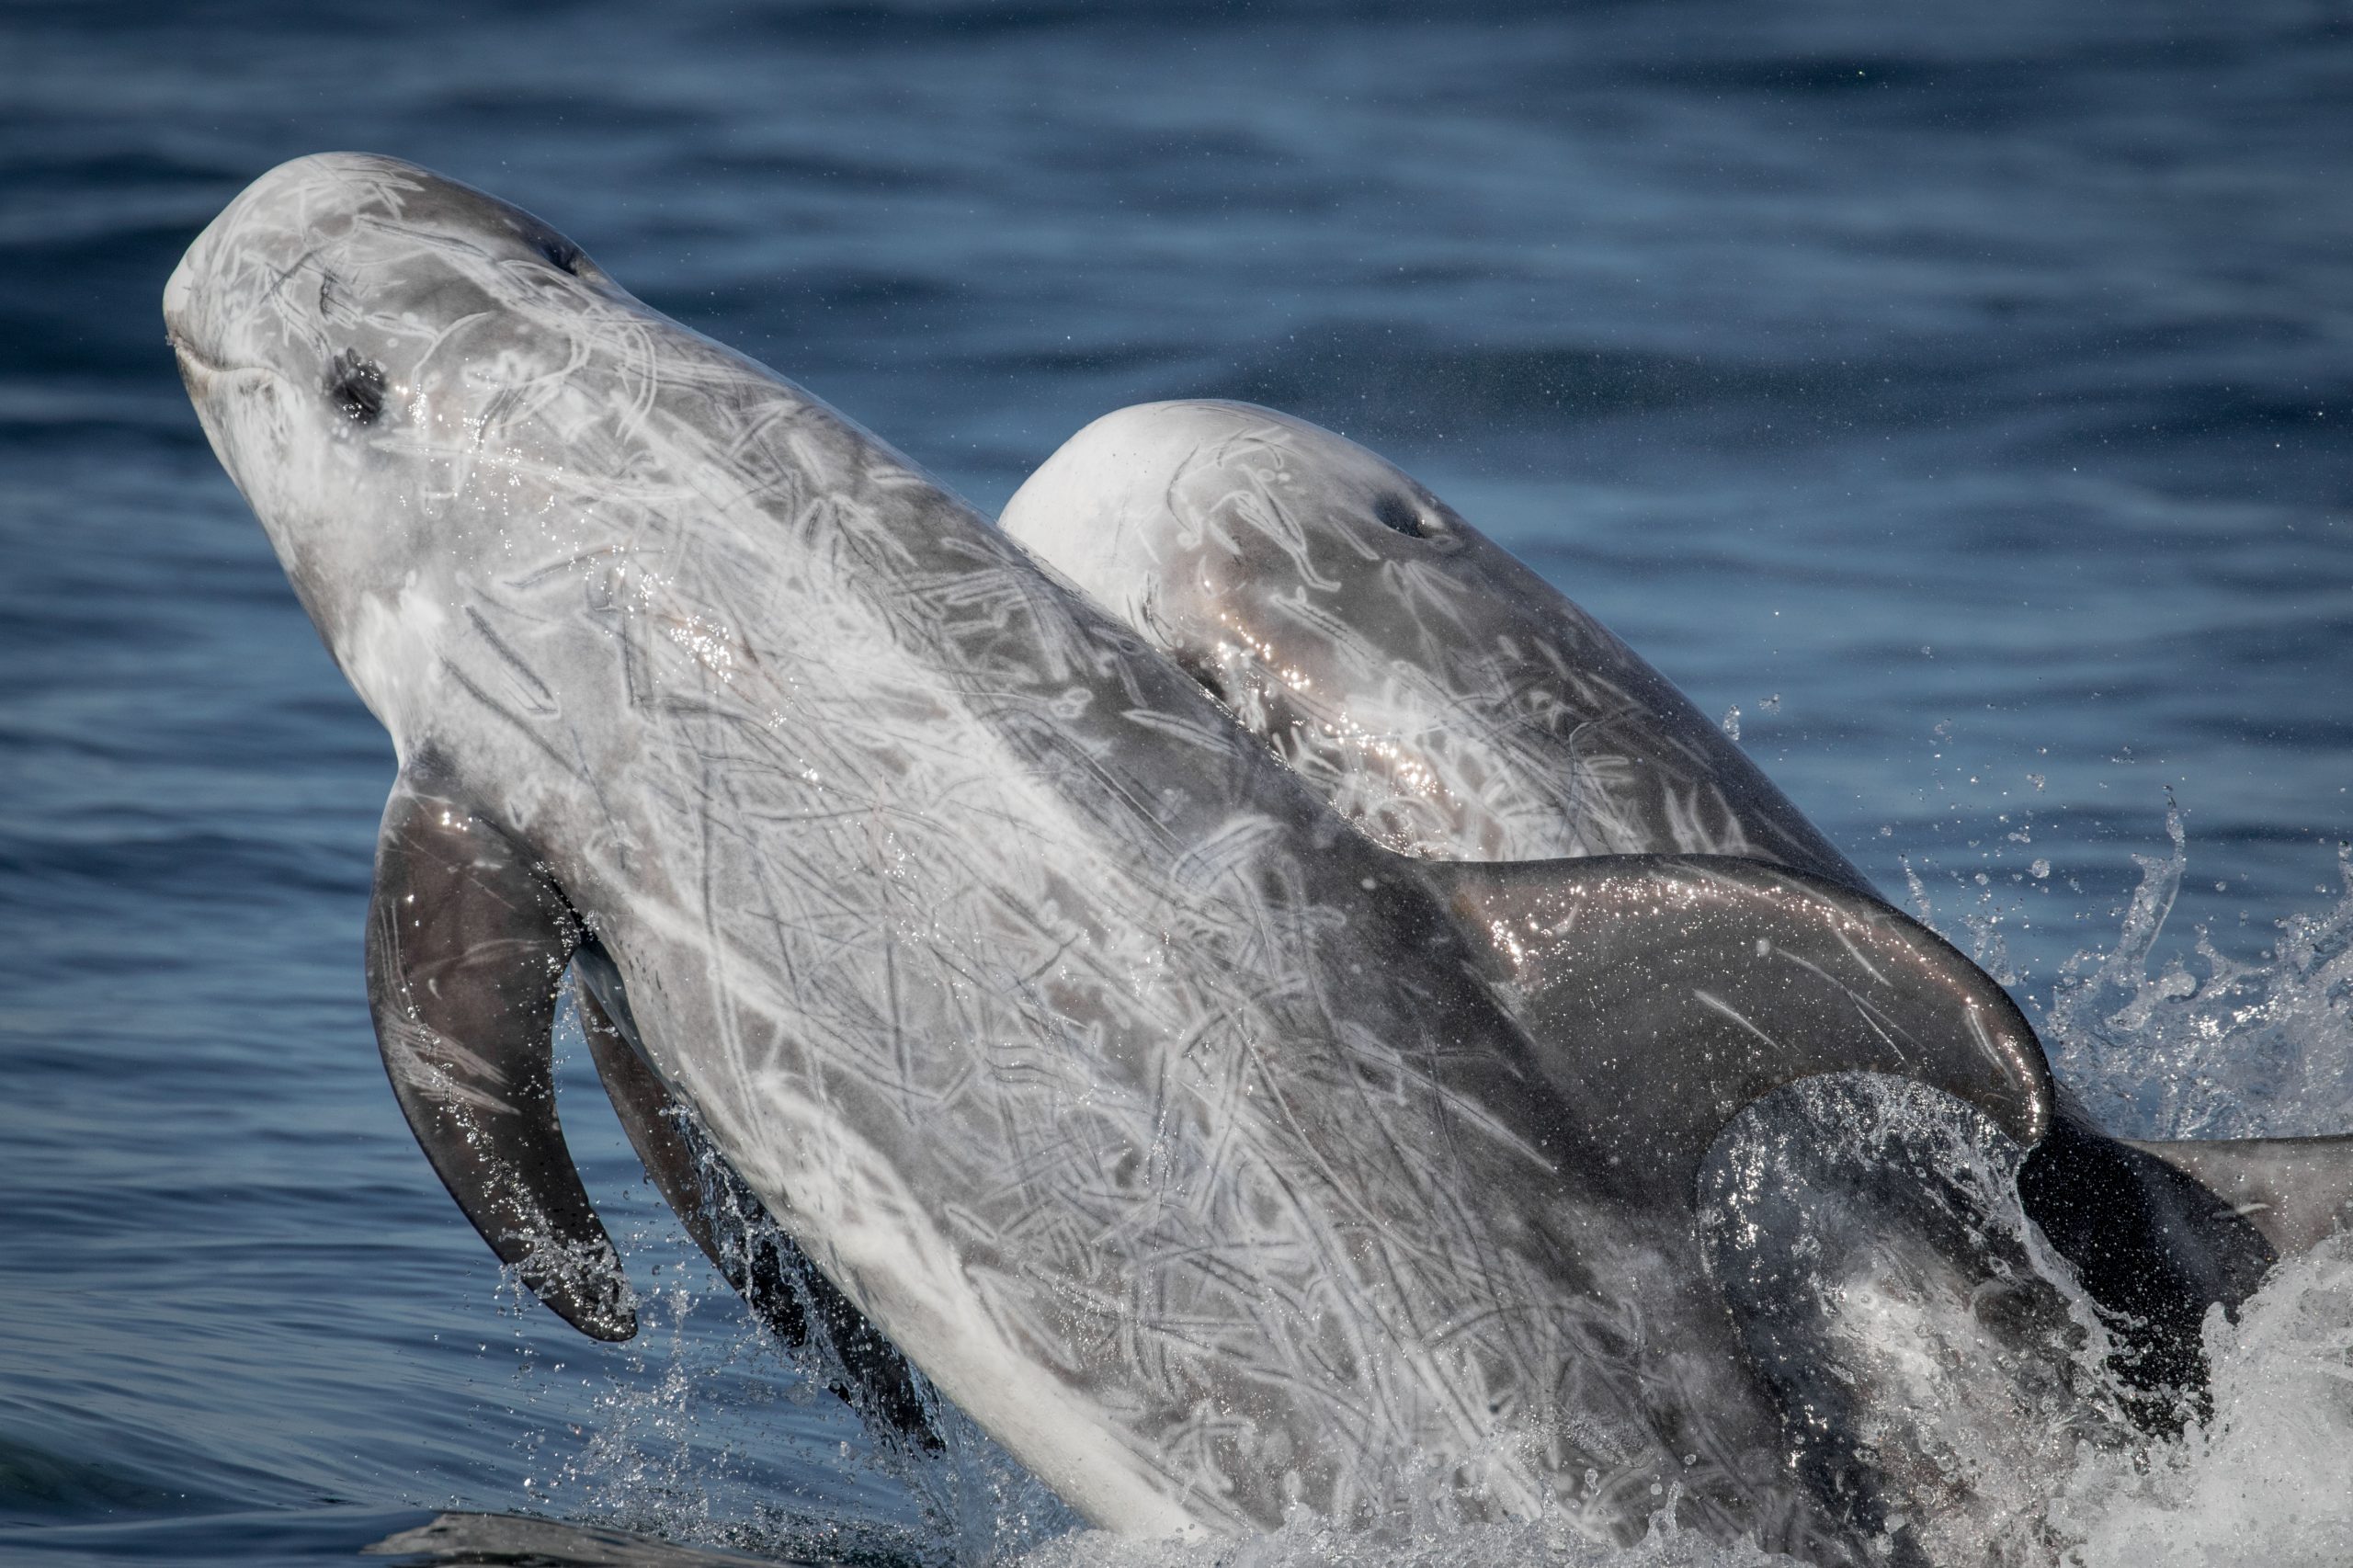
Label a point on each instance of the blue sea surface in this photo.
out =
(1958, 400)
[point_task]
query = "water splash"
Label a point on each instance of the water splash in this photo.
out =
(2201, 1045)
(697, 1441)
(2268, 1479)
(713, 1427)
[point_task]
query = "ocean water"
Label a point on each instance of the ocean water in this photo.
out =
(1958, 400)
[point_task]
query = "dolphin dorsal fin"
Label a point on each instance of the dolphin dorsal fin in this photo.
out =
(1665, 992)
(467, 942)
(2295, 1191)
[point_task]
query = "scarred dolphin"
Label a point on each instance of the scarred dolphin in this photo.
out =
(1173, 1129)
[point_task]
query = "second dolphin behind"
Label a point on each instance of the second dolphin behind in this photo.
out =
(1457, 708)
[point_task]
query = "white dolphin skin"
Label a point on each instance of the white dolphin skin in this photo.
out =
(1165, 1123)
(1438, 692)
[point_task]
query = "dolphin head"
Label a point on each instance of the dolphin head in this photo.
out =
(1437, 693)
(366, 343)
(1181, 516)
(1321, 594)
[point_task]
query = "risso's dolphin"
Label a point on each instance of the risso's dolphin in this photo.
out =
(1455, 707)
(1170, 1127)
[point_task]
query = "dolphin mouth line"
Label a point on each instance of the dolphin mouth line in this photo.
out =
(211, 369)
(188, 352)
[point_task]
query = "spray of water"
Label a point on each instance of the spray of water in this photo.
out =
(2268, 1479)
(2200, 1045)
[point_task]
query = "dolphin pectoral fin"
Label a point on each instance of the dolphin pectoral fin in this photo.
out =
(1665, 992)
(2295, 1191)
(466, 943)
(734, 1228)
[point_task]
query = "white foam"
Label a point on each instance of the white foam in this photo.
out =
(2268, 1479)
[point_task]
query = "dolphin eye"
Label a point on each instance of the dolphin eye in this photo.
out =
(1392, 510)
(561, 254)
(356, 387)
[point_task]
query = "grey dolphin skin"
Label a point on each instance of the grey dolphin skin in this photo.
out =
(1454, 706)
(1169, 1127)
